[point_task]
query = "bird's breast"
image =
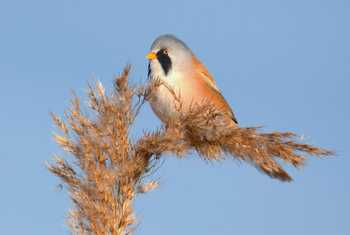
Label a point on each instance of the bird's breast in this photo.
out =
(166, 99)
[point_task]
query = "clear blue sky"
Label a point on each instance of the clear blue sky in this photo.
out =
(282, 64)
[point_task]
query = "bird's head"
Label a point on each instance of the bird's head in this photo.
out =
(168, 55)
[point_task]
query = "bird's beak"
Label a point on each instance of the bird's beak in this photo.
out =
(151, 56)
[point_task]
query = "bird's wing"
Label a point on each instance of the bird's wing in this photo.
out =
(203, 71)
(220, 101)
(210, 89)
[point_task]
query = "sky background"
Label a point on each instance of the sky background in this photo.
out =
(281, 64)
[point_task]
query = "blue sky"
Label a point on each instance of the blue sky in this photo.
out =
(281, 64)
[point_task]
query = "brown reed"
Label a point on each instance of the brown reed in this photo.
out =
(108, 169)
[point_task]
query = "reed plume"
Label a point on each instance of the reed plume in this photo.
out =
(108, 169)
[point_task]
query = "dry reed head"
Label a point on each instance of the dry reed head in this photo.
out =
(248, 144)
(108, 169)
(102, 185)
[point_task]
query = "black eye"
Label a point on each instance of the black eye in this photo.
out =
(165, 51)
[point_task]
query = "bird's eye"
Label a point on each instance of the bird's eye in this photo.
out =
(165, 51)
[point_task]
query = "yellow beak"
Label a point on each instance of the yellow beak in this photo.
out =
(151, 56)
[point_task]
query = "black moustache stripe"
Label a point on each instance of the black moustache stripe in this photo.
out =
(149, 70)
(164, 61)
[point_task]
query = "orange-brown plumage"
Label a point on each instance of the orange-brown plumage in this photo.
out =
(207, 88)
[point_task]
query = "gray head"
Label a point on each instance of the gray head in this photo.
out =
(168, 41)
(169, 54)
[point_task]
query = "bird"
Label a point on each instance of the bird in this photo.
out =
(179, 71)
